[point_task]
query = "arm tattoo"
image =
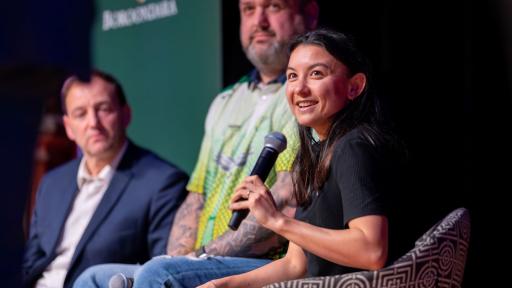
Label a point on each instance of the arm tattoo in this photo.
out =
(251, 239)
(184, 229)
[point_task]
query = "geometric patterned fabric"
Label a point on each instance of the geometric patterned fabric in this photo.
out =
(437, 260)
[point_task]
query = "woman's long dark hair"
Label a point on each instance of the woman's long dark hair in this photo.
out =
(311, 166)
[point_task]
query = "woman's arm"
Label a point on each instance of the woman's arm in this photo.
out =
(290, 267)
(363, 245)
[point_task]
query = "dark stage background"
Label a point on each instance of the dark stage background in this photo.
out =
(39, 43)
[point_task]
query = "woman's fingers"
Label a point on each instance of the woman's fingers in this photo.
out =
(253, 180)
(239, 198)
(250, 192)
(254, 184)
(239, 205)
(241, 192)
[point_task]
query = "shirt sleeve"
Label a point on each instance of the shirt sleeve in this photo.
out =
(360, 177)
(198, 177)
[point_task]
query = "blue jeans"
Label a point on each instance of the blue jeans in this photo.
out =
(168, 271)
(99, 275)
(184, 272)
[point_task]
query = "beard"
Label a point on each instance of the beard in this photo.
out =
(271, 58)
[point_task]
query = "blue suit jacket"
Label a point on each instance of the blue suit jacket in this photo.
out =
(130, 225)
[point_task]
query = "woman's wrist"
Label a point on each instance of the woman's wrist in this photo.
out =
(278, 222)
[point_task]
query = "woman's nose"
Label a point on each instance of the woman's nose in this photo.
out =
(301, 88)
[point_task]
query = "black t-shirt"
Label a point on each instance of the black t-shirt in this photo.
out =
(361, 176)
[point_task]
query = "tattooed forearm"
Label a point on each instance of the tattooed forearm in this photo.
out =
(251, 239)
(184, 230)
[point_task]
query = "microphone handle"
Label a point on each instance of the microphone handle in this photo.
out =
(262, 168)
(265, 163)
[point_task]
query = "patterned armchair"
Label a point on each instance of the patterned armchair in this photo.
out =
(437, 260)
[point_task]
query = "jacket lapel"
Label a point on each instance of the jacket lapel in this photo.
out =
(116, 188)
(61, 204)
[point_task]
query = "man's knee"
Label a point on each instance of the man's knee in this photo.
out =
(163, 271)
(99, 275)
(154, 266)
(88, 277)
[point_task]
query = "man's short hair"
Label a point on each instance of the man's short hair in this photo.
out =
(118, 89)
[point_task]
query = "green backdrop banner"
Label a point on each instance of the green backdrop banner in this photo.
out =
(167, 56)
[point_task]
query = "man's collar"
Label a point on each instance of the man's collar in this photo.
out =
(105, 173)
(255, 79)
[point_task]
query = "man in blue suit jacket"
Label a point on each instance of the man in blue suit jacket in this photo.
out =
(114, 204)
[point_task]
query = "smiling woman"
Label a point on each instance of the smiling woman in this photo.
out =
(344, 174)
(319, 86)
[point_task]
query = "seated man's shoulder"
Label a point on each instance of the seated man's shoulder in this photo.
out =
(228, 89)
(237, 88)
(150, 161)
(63, 169)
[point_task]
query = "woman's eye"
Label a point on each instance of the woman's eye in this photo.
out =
(316, 73)
(291, 76)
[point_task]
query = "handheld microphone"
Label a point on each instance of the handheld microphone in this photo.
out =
(275, 143)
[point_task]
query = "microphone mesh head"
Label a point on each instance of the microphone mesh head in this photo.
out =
(276, 140)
